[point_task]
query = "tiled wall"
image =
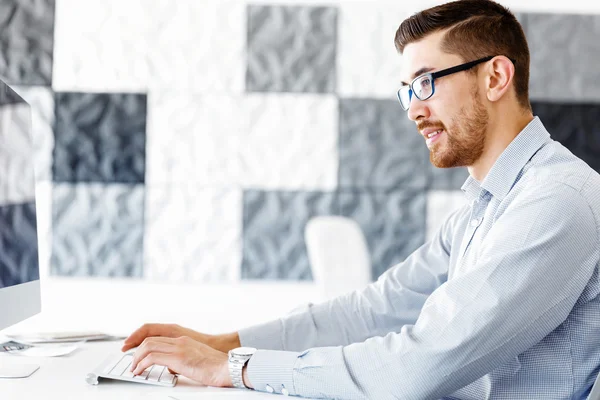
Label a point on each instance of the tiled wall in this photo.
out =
(191, 141)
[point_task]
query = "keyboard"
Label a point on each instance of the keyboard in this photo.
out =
(117, 367)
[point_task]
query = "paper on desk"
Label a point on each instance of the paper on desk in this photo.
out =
(53, 350)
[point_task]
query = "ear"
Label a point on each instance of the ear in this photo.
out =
(500, 71)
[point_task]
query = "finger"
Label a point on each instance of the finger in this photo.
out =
(146, 330)
(171, 361)
(152, 345)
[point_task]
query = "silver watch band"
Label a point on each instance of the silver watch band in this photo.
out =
(236, 365)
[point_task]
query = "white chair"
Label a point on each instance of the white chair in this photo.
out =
(338, 255)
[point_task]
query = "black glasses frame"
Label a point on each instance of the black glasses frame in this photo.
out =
(438, 74)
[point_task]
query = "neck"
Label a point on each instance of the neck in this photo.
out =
(501, 132)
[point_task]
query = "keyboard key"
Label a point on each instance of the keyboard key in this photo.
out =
(144, 374)
(167, 377)
(156, 372)
(122, 365)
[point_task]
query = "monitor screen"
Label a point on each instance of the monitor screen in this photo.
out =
(19, 267)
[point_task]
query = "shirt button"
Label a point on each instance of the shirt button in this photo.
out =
(475, 222)
(269, 389)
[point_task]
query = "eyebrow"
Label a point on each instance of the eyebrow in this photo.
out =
(421, 71)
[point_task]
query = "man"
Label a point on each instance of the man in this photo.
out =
(501, 304)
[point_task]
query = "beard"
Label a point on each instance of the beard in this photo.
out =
(465, 140)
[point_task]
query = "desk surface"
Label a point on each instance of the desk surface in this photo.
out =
(64, 378)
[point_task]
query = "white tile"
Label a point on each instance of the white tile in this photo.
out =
(291, 142)
(368, 64)
(101, 45)
(198, 46)
(41, 100)
(193, 138)
(135, 45)
(43, 208)
(440, 204)
(193, 234)
(17, 179)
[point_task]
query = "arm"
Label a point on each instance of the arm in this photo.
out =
(383, 306)
(525, 285)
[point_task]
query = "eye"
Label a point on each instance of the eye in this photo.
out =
(425, 82)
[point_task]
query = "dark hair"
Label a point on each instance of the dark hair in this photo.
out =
(478, 28)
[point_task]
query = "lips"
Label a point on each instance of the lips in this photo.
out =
(433, 136)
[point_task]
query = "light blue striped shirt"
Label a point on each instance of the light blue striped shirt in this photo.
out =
(501, 304)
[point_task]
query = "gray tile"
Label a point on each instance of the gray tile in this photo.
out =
(447, 178)
(565, 53)
(380, 147)
(394, 223)
(100, 137)
(273, 232)
(575, 126)
(97, 230)
(8, 96)
(18, 244)
(291, 49)
(27, 38)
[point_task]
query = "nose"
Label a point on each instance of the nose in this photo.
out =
(418, 110)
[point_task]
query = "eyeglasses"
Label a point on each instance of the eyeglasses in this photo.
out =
(423, 87)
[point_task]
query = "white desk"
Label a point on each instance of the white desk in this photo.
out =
(64, 378)
(118, 307)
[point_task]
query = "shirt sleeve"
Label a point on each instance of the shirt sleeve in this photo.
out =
(383, 306)
(533, 266)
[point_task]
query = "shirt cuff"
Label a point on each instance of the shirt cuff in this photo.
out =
(273, 369)
(263, 336)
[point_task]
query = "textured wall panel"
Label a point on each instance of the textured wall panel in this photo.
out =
(575, 126)
(27, 38)
(41, 100)
(197, 46)
(128, 45)
(17, 179)
(446, 178)
(564, 56)
(290, 142)
(192, 234)
(18, 244)
(380, 147)
(273, 238)
(440, 204)
(100, 45)
(393, 223)
(100, 138)
(368, 64)
(291, 49)
(194, 138)
(43, 208)
(97, 230)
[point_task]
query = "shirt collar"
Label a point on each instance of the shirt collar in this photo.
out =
(503, 174)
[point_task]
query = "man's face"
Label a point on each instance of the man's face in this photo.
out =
(456, 106)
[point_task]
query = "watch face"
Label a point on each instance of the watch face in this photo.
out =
(244, 351)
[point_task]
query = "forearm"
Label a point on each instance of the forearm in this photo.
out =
(224, 342)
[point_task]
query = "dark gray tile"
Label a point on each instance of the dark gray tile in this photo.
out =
(394, 223)
(8, 96)
(27, 41)
(291, 49)
(575, 126)
(380, 147)
(273, 232)
(565, 52)
(97, 230)
(18, 244)
(100, 137)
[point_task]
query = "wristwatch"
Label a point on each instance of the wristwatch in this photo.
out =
(237, 359)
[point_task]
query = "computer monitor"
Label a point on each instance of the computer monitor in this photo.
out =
(19, 265)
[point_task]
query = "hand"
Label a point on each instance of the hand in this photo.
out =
(184, 356)
(223, 343)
